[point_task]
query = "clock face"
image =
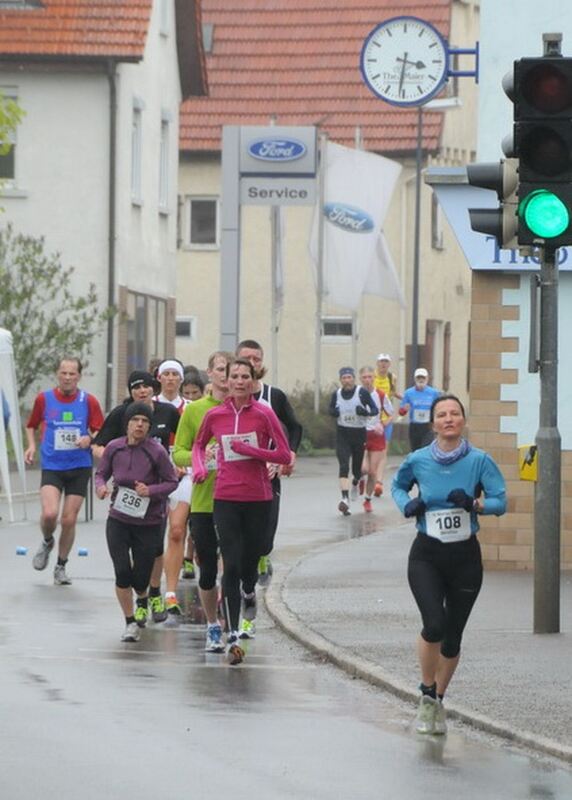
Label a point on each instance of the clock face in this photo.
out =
(404, 61)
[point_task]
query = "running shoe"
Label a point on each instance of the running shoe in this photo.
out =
(354, 492)
(174, 612)
(367, 506)
(344, 508)
(426, 713)
(378, 491)
(361, 485)
(440, 727)
(141, 616)
(265, 571)
(60, 577)
(247, 629)
(188, 572)
(234, 652)
(41, 558)
(249, 607)
(158, 610)
(131, 633)
(214, 643)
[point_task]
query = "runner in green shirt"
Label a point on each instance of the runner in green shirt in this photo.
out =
(202, 525)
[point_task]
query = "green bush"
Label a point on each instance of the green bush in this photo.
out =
(319, 429)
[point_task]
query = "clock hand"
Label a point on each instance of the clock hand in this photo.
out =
(416, 64)
(402, 76)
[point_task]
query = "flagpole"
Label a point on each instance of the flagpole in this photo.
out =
(274, 211)
(323, 138)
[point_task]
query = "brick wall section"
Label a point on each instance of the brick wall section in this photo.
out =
(507, 542)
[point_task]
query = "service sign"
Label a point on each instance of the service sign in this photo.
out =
(277, 150)
(277, 191)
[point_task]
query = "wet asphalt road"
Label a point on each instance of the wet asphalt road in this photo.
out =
(85, 716)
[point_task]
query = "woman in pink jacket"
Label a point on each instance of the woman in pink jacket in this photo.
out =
(248, 435)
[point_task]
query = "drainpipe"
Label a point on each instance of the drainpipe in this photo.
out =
(112, 77)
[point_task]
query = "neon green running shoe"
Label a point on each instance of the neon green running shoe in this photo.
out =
(141, 616)
(247, 629)
(158, 610)
(188, 570)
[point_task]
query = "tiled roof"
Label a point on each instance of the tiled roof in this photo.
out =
(88, 28)
(297, 61)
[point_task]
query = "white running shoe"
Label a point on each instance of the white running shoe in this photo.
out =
(214, 643)
(60, 577)
(426, 713)
(131, 633)
(42, 555)
(440, 727)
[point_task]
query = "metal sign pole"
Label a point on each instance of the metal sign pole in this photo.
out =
(547, 495)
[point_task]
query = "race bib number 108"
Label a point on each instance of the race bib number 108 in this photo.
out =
(448, 525)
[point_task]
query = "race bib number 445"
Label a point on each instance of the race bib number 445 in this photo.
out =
(127, 501)
(448, 525)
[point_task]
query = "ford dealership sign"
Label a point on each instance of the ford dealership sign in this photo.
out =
(349, 218)
(277, 149)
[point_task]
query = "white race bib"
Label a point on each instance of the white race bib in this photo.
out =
(421, 415)
(66, 438)
(448, 525)
(349, 420)
(228, 452)
(127, 501)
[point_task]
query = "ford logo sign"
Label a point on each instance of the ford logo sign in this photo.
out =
(277, 149)
(349, 218)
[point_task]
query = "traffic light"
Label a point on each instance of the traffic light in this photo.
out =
(502, 177)
(542, 96)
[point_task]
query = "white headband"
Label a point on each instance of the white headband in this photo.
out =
(174, 365)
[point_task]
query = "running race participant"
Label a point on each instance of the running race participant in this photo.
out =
(385, 381)
(417, 401)
(375, 443)
(244, 429)
(142, 477)
(351, 405)
(68, 417)
(445, 569)
(193, 388)
(202, 523)
(163, 427)
(279, 403)
(170, 375)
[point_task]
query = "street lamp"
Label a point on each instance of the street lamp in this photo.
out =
(443, 104)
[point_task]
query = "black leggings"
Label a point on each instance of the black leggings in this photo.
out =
(350, 443)
(204, 538)
(445, 580)
(273, 518)
(241, 529)
(132, 549)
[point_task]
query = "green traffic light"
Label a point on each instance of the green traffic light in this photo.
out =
(544, 214)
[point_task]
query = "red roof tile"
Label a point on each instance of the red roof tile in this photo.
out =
(298, 61)
(88, 28)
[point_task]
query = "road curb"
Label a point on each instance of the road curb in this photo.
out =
(366, 670)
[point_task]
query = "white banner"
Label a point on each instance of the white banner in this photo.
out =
(356, 259)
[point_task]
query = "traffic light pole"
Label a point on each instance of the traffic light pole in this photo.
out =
(547, 493)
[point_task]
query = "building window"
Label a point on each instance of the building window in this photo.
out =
(186, 328)
(164, 166)
(337, 329)
(136, 144)
(436, 224)
(8, 158)
(201, 222)
(146, 329)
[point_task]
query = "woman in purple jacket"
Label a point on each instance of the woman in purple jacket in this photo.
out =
(143, 477)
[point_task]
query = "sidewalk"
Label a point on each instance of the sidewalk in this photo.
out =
(350, 602)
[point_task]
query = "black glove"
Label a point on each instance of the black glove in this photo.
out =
(461, 499)
(414, 508)
(336, 412)
(361, 411)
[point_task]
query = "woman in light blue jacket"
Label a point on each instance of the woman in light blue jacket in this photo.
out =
(455, 483)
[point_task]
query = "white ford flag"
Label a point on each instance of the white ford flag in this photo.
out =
(356, 259)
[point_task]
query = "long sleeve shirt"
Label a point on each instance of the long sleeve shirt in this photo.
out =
(147, 462)
(473, 473)
(243, 436)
